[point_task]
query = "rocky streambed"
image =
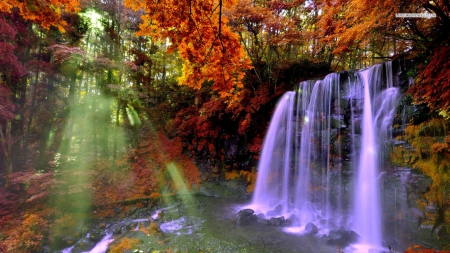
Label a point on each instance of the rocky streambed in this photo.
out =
(205, 224)
(218, 220)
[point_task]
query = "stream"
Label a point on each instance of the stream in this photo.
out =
(204, 224)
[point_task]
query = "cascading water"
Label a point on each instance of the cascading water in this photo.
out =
(367, 213)
(285, 175)
(272, 186)
(380, 100)
(300, 171)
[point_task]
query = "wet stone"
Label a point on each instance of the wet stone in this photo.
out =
(292, 220)
(277, 221)
(262, 219)
(278, 209)
(96, 235)
(311, 228)
(245, 216)
(428, 235)
(341, 237)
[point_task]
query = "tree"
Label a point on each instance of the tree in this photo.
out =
(432, 84)
(198, 29)
(368, 30)
(47, 13)
(269, 32)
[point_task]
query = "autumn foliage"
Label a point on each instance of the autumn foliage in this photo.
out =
(46, 13)
(109, 104)
(432, 85)
(198, 29)
(421, 249)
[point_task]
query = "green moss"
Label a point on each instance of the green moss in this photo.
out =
(429, 153)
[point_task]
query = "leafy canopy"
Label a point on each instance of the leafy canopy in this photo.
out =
(47, 13)
(210, 51)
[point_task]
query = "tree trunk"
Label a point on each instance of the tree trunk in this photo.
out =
(6, 143)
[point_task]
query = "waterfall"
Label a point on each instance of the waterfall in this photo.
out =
(272, 185)
(301, 173)
(367, 213)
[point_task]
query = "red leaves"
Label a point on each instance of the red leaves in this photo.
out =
(432, 86)
(64, 54)
(9, 63)
(421, 249)
(7, 32)
(6, 106)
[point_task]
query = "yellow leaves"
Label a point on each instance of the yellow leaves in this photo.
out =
(248, 176)
(124, 245)
(429, 153)
(439, 147)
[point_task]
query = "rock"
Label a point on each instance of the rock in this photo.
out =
(64, 241)
(277, 221)
(341, 237)
(311, 228)
(246, 216)
(96, 235)
(271, 213)
(422, 184)
(133, 210)
(344, 104)
(432, 208)
(278, 209)
(336, 123)
(262, 219)
(83, 245)
(427, 236)
(416, 215)
(292, 220)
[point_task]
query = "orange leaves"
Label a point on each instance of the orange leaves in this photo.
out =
(352, 25)
(47, 13)
(210, 51)
(27, 236)
(267, 25)
(421, 249)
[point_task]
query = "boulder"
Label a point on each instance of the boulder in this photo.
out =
(96, 235)
(262, 219)
(341, 237)
(246, 216)
(428, 235)
(278, 209)
(292, 220)
(277, 221)
(311, 228)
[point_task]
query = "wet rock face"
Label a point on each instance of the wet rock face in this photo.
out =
(404, 218)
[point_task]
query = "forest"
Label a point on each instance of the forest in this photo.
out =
(108, 106)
